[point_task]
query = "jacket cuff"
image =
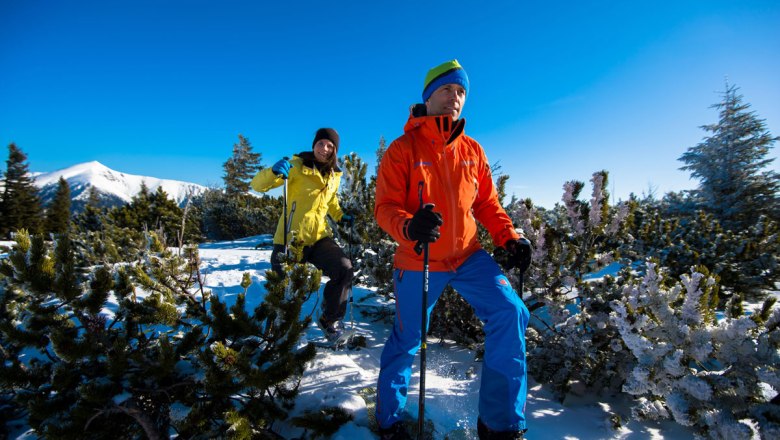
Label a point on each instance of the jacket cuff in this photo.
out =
(405, 229)
(505, 235)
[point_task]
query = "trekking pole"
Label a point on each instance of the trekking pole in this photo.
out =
(289, 219)
(284, 202)
(351, 299)
(423, 325)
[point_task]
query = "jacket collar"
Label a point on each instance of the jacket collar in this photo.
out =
(309, 161)
(434, 127)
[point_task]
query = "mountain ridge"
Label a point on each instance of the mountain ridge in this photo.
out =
(113, 187)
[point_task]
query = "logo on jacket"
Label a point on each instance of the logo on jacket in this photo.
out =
(422, 163)
(466, 163)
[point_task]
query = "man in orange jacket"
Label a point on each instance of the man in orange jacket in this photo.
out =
(434, 162)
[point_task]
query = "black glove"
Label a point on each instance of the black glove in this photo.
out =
(518, 254)
(347, 219)
(424, 225)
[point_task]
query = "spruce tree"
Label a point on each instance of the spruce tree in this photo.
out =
(241, 167)
(732, 165)
(20, 206)
(58, 213)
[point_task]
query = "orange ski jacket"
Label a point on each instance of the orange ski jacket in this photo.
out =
(454, 174)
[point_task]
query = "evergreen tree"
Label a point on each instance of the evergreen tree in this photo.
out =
(578, 238)
(376, 263)
(20, 206)
(241, 167)
(141, 349)
(718, 375)
(58, 213)
(224, 217)
(92, 217)
(747, 261)
(731, 165)
(151, 211)
(355, 199)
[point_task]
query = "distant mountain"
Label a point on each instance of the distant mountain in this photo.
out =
(113, 187)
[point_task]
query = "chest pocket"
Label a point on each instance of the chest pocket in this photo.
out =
(467, 169)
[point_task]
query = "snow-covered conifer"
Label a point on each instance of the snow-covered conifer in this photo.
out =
(574, 340)
(713, 374)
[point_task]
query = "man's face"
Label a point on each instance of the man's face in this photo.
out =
(323, 150)
(448, 99)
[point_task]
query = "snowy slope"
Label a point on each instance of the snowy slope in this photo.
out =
(114, 185)
(336, 378)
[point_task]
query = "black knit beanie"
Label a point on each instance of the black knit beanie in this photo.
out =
(329, 134)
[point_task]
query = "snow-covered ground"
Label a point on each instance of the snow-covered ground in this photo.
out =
(335, 378)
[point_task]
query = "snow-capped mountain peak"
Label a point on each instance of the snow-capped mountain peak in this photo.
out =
(118, 186)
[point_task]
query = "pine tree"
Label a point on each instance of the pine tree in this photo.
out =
(20, 206)
(92, 217)
(224, 217)
(731, 165)
(241, 167)
(151, 211)
(355, 200)
(376, 264)
(575, 239)
(58, 213)
(717, 375)
(141, 349)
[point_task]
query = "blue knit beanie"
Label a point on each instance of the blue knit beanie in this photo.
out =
(450, 72)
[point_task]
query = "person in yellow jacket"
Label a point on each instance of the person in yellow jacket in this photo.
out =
(313, 179)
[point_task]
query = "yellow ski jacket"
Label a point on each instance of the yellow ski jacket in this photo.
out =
(314, 195)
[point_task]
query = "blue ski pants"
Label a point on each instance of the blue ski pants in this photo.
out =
(479, 280)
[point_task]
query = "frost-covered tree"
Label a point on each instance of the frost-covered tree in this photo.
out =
(240, 167)
(732, 165)
(58, 212)
(20, 206)
(570, 343)
(719, 375)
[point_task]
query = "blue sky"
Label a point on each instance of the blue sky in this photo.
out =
(558, 90)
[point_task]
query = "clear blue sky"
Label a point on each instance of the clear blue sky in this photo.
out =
(558, 89)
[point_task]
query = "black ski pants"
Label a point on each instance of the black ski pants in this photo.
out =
(327, 256)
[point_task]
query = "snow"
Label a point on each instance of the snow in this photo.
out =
(335, 378)
(124, 186)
